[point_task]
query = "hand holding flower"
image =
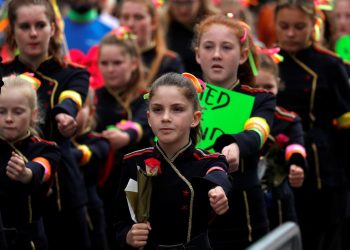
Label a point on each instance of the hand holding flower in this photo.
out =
(218, 200)
(138, 235)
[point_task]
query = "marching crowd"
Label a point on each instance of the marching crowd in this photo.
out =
(101, 112)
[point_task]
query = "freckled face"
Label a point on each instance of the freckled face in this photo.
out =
(219, 54)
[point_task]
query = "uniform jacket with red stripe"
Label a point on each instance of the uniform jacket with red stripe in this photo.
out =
(20, 203)
(182, 178)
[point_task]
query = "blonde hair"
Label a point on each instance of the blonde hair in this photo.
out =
(27, 91)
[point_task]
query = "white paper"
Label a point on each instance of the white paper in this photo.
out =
(131, 188)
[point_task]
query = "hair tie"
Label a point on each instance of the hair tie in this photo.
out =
(158, 3)
(244, 37)
(146, 96)
(272, 52)
(30, 78)
(122, 33)
(326, 5)
(197, 83)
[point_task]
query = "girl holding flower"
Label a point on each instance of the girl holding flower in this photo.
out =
(187, 183)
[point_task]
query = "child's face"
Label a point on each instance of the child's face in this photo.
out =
(341, 14)
(171, 116)
(294, 29)
(116, 66)
(219, 54)
(15, 115)
(138, 19)
(33, 31)
(267, 81)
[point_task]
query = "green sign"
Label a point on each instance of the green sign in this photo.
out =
(224, 112)
(342, 47)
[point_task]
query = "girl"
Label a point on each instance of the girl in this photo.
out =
(27, 165)
(284, 153)
(316, 87)
(120, 108)
(34, 32)
(90, 151)
(222, 47)
(178, 18)
(341, 19)
(142, 18)
(185, 178)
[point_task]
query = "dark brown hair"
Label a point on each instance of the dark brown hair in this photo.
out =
(188, 90)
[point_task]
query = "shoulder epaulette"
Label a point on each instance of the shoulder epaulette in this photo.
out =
(170, 54)
(253, 90)
(35, 138)
(284, 114)
(76, 65)
(326, 51)
(201, 154)
(138, 153)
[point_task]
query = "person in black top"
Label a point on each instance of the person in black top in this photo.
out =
(90, 151)
(223, 46)
(141, 17)
(34, 32)
(27, 165)
(120, 110)
(283, 158)
(316, 88)
(178, 18)
(187, 183)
